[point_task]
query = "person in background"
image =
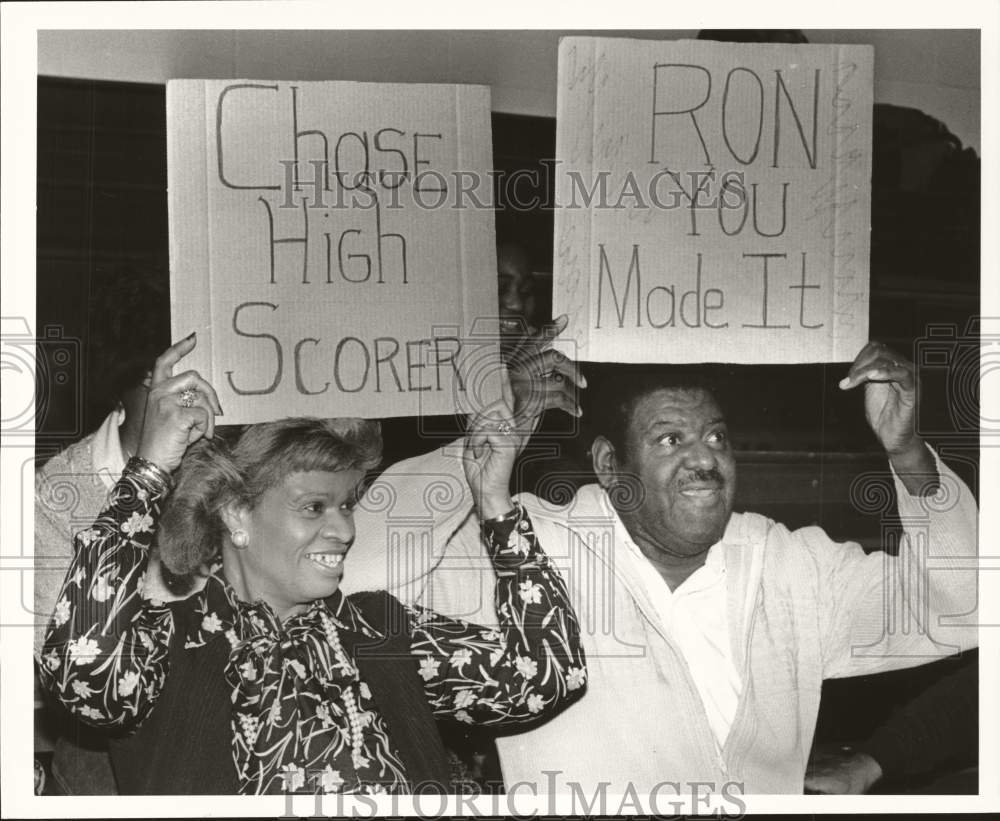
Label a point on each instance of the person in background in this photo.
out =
(938, 728)
(130, 328)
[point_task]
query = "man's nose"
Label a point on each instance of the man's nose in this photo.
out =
(699, 456)
(510, 300)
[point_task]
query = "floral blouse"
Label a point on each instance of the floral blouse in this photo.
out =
(302, 718)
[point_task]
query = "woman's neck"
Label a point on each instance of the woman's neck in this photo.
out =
(246, 591)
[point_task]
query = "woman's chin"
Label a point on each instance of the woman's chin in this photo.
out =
(324, 588)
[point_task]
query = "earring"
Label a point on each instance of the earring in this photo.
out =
(240, 538)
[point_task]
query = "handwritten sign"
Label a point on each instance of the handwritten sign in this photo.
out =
(714, 200)
(332, 243)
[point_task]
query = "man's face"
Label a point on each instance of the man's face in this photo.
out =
(677, 445)
(516, 293)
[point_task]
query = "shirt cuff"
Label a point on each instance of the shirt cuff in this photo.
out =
(510, 538)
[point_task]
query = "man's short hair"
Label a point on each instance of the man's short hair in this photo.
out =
(620, 388)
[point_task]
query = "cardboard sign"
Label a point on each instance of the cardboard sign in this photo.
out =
(714, 200)
(332, 243)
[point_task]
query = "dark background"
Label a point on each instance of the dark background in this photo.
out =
(801, 442)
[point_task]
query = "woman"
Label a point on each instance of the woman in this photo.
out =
(268, 679)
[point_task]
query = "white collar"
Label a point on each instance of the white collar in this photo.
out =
(106, 449)
(711, 571)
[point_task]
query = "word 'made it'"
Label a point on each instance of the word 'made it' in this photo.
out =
(737, 224)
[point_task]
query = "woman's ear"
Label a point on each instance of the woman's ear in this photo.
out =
(605, 464)
(235, 517)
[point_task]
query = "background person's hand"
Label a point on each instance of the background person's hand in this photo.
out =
(170, 425)
(542, 378)
(841, 771)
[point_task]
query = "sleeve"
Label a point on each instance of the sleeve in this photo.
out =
(532, 663)
(106, 648)
(881, 612)
(53, 546)
(937, 728)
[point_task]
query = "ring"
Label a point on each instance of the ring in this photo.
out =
(188, 397)
(504, 428)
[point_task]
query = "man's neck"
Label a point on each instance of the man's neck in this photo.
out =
(674, 569)
(674, 562)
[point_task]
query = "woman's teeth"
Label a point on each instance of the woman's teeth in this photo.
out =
(327, 559)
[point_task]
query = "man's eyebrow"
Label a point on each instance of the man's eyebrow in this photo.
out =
(665, 422)
(679, 422)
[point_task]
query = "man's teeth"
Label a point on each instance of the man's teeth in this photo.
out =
(327, 559)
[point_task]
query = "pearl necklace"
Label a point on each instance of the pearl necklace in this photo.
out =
(350, 703)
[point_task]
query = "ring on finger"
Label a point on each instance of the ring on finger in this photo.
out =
(504, 428)
(188, 397)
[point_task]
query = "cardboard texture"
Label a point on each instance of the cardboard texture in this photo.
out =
(321, 248)
(714, 200)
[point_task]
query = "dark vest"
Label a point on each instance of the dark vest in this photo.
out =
(185, 745)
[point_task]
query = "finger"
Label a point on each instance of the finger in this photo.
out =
(476, 439)
(547, 363)
(201, 397)
(556, 326)
(192, 380)
(880, 371)
(875, 351)
(542, 338)
(498, 427)
(563, 400)
(866, 356)
(201, 422)
(871, 354)
(551, 396)
(164, 366)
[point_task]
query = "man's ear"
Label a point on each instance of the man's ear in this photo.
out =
(604, 461)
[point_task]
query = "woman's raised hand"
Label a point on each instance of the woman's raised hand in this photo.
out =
(179, 409)
(493, 441)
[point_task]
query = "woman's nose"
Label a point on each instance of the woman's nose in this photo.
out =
(339, 527)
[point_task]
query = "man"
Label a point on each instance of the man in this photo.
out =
(708, 633)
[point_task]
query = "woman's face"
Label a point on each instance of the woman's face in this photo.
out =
(299, 533)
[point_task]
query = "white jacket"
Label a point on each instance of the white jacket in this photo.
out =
(801, 608)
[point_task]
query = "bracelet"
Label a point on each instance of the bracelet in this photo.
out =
(514, 513)
(151, 473)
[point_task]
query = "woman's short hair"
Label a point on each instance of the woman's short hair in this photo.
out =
(239, 466)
